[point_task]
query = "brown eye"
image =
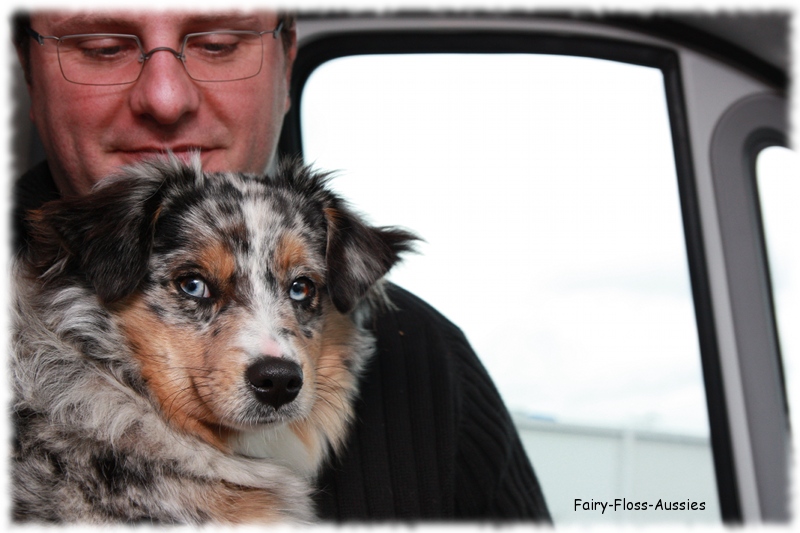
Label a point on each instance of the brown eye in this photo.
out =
(302, 290)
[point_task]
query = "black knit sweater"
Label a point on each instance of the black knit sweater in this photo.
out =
(432, 438)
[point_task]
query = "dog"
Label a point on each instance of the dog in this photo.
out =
(187, 345)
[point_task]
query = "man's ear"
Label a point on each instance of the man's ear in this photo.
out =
(359, 255)
(104, 237)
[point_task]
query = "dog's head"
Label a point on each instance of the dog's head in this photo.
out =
(233, 290)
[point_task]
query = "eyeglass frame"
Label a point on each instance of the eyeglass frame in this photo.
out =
(39, 38)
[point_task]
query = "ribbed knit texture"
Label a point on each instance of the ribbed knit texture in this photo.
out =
(432, 439)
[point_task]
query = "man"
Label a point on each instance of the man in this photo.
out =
(432, 438)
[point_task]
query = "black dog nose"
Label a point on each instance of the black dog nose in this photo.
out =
(276, 381)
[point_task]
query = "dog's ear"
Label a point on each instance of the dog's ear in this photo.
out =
(105, 236)
(359, 255)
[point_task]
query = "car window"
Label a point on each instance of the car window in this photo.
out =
(778, 180)
(545, 189)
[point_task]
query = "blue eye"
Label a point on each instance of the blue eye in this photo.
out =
(194, 286)
(302, 290)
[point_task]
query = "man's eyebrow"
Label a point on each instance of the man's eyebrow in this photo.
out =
(223, 21)
(89, 23)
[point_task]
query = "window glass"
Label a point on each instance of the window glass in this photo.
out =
(778, 178)
(545, 189)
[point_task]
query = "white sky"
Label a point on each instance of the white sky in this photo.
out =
(778, 171)
(545, 188)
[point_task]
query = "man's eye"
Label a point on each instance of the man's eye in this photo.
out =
(194, 286)
(302, 290)
(217, 46)
(104, 49)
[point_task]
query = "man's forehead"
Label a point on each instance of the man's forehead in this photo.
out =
(67, 22)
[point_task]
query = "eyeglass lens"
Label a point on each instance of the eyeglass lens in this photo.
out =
(119, 59)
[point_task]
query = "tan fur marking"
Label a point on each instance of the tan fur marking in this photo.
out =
(217, 259)
(155, 346)
(336, 349)
(333, 215)
(234, 504)
(334, 385)
(290, 252)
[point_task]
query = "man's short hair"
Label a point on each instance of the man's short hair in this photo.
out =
(20, 21)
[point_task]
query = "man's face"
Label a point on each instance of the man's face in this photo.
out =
(89, 131)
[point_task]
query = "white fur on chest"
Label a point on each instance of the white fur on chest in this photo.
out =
(279, 444)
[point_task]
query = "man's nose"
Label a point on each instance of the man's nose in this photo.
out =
(164, 91)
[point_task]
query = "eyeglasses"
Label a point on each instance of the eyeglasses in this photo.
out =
(118, 59)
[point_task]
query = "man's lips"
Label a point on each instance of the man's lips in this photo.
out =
(182, 152)
(164, 149)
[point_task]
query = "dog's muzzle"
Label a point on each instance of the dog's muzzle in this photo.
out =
(275, 381)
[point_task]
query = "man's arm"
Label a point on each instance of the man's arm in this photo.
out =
(432, 439)
(494, 478)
